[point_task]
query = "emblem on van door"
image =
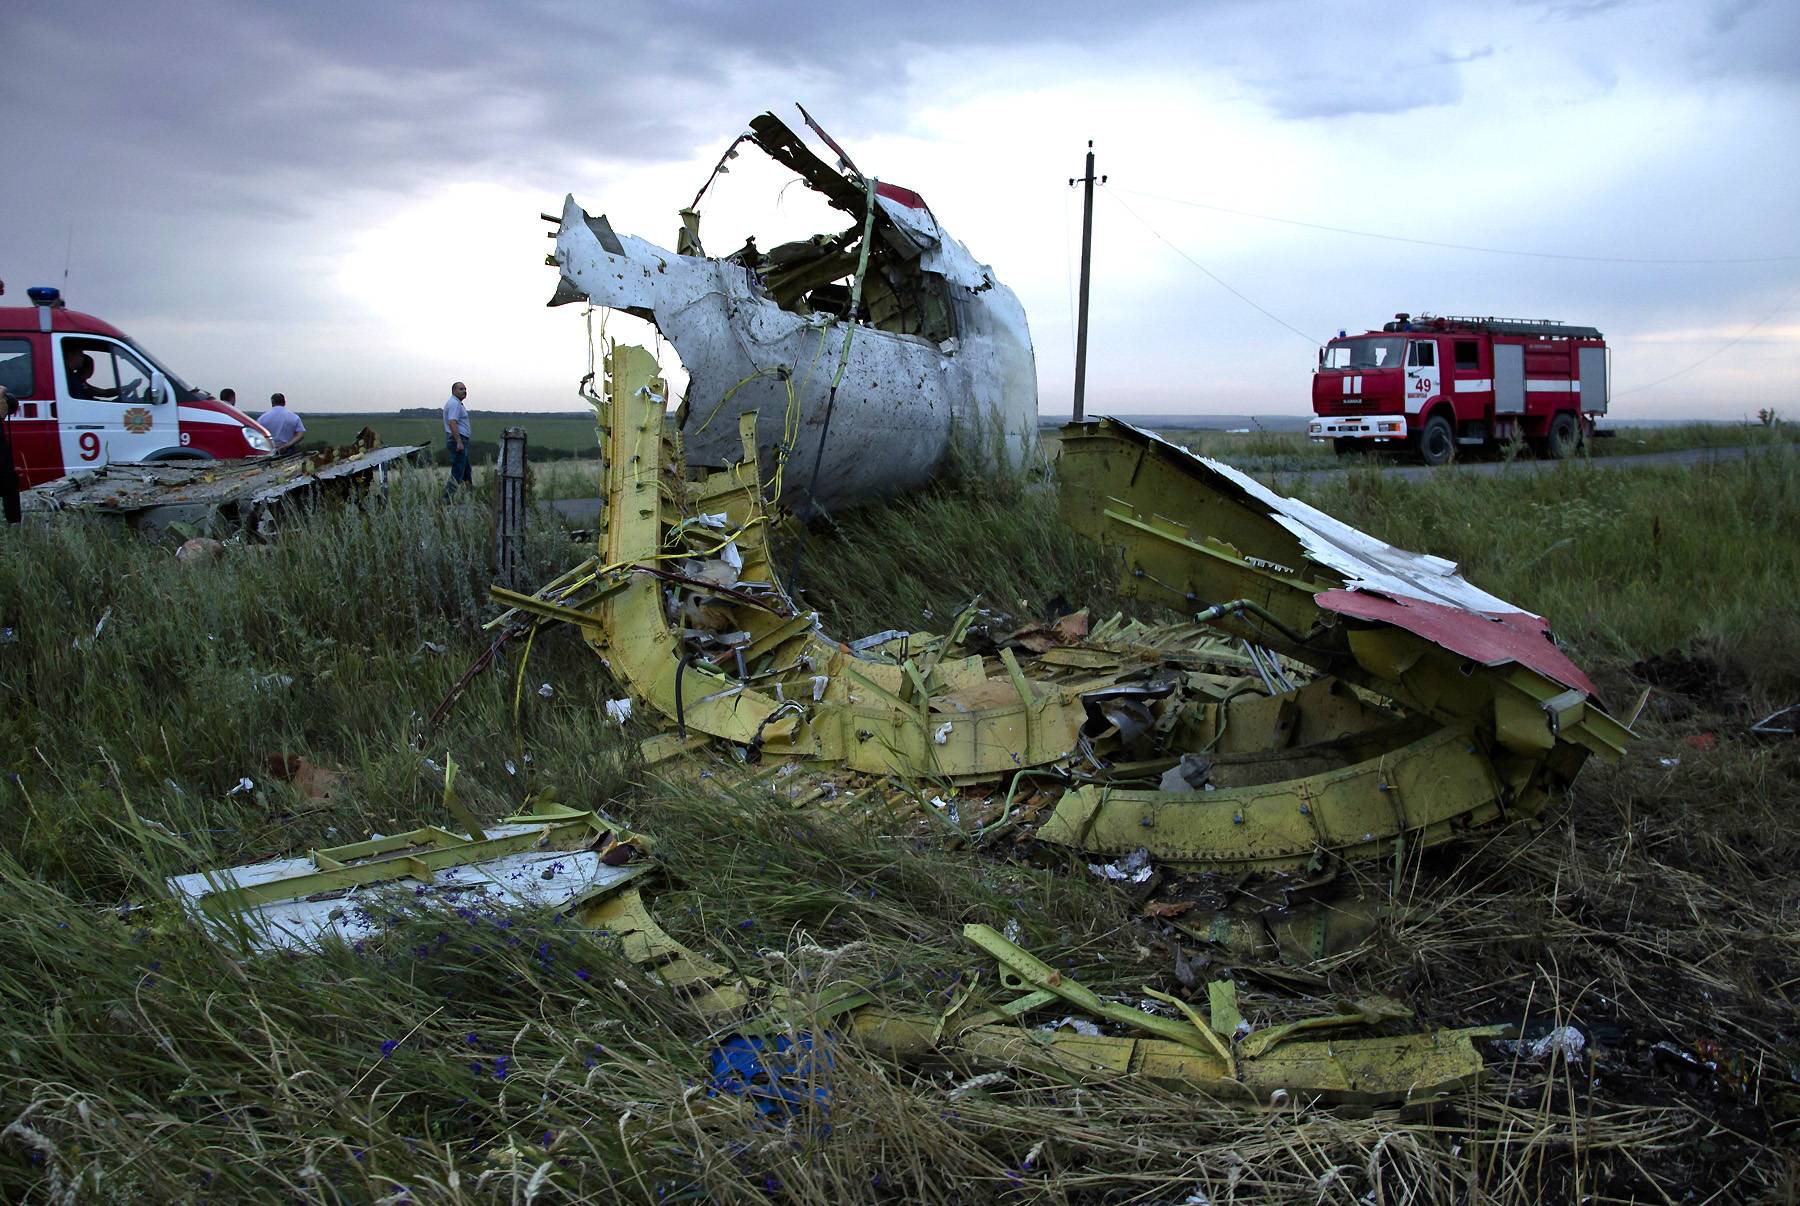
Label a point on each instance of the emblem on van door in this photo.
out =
(137, 420)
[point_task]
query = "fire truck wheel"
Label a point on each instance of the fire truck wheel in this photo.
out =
(1343, 446)
(1437, 442)
(1565, 434)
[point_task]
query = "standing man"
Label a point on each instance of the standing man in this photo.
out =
(283, 425)
(228, 397)
(456, 438)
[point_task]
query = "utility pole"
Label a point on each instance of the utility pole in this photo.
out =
(1087, 249)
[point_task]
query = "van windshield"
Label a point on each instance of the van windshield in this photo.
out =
(175, 382)
(1371, 352)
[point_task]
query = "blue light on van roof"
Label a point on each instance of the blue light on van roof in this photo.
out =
(44, 295)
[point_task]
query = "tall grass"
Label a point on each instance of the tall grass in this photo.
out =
(1627, 440)
(530, 1062)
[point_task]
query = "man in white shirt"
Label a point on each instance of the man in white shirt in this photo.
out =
(283, 425)
(456, 438)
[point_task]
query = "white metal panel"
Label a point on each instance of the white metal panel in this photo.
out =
(552, 879)
(1363, 561)
(1509, 379)
(902, 400)
(1596, 390)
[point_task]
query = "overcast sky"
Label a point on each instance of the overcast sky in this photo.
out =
(344, 206)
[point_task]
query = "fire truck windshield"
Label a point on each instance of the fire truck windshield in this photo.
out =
(1372, 352)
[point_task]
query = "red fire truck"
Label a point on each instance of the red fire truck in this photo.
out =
(87, 395)
(1433, 383)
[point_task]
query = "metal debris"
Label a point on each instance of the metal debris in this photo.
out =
(1419, 715)
(573, 862)
(1330, 698)
(551, 857)
(879, 343)
(248, 495)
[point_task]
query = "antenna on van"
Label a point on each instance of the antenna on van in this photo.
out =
(68, 253)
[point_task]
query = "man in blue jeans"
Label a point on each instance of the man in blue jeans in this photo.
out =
(456, 438)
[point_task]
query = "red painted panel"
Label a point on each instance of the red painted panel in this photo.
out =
(1492, 640)
(25, 318)
(904, 196)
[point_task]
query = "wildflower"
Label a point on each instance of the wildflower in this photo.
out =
(583, 975)
(388, 1048)
(471, 1039)
(746, 923)
(501, 1063)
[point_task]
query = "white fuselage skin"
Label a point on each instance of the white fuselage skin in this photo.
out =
(902, 399)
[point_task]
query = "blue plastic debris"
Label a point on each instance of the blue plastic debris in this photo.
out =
(778, 1075)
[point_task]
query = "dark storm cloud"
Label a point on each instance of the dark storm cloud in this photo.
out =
(286, 97)
(231, 171)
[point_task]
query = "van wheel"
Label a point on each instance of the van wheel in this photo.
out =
(1437, 442)
(1565, 437)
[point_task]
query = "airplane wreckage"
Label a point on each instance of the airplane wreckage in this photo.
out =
(1328, 699)
(254, 496)
(863, 352)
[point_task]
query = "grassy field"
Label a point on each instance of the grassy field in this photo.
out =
(1654, 908)
(557, 437)
(1288, 451)
(548, 436)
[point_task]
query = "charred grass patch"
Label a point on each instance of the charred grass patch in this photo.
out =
(514, 1058)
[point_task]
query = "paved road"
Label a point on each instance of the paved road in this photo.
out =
(583, 511)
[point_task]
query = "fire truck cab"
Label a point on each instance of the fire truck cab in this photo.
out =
(87, 395)
(1437, 383)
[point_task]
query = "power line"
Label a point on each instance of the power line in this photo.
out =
(1724, 347)
(1539, 255)
(1216, 279)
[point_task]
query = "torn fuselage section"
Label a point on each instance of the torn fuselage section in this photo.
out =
(888, 327)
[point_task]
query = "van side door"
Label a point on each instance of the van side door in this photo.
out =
(32, 431)
(108, 412)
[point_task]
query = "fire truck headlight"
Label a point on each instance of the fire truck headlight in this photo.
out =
(257, 440)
